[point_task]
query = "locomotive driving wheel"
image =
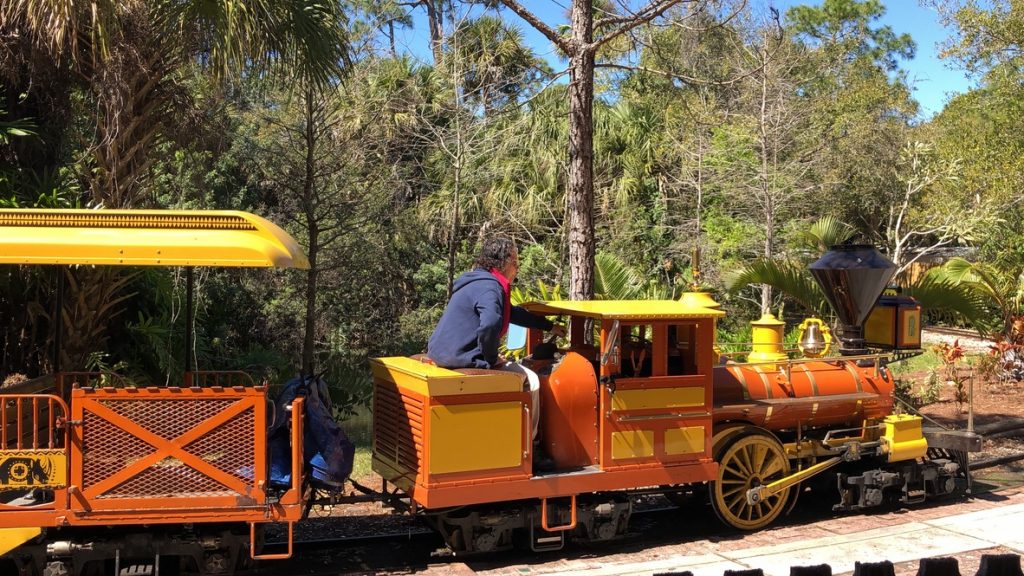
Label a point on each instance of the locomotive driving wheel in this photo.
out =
(746, 459)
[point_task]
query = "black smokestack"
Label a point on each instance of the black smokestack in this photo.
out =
(853, 277)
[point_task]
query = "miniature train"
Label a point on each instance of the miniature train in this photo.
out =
(638, 400)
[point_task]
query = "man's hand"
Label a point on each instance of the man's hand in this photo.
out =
(558, 330)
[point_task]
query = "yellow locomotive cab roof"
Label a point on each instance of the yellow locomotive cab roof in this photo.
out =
(623, 309)
(146, 238)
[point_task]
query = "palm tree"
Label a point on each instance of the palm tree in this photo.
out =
(997, 291)
(129, 60)
(496, 64)
(130, 57)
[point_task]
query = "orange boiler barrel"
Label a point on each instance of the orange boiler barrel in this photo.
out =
(820, 393)
(568, 418)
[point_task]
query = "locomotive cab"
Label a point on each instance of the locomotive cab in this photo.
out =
(641, 395)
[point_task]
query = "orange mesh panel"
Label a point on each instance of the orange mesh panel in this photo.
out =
(168, 418)
(229, 446)
(167, 478)
(107, 449)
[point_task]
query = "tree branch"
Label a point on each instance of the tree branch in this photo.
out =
(648, 13)
(541, 27)
(677, 76)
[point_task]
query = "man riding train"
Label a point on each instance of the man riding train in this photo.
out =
(479, 313)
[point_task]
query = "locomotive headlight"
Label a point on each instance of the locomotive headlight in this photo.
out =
(815, 338)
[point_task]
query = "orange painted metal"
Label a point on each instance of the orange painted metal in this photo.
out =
(32, 422)
(660, 420)
(544, 517)
(577, 423)
(168, 447)
(504, 489)
(584, 424)
(568, 422)
(401, 426)
(283, 556)
(165, 456)
(819, 393)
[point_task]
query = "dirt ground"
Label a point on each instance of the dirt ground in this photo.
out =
(991, 403)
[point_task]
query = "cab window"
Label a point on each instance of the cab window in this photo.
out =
(637, 350)
(682, 349)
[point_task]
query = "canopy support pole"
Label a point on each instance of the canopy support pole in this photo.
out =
(189, 313)
(58, 329)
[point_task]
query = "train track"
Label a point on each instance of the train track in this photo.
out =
(967, 338)
(948, 331)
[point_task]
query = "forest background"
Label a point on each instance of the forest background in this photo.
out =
(734, 131)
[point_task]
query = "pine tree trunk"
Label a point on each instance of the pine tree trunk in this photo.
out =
(581, 154)
(436, 30)
(309, 337)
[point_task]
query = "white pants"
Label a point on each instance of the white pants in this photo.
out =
(534, 382)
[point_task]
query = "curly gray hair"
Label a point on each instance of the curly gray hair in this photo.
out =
(495, 253)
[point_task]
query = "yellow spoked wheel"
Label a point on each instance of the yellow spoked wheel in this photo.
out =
(745, 461)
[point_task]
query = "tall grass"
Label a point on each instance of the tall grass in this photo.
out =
(359, 428)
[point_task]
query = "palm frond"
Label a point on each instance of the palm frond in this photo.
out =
(790, 278)
(827, 231)
(614, 279)
(975, 276)
(937, 290)
(306, 38)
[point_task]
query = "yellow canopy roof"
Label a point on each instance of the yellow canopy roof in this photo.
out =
(624, 309)
(146, 238)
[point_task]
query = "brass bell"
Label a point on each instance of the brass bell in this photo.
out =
(815, 338)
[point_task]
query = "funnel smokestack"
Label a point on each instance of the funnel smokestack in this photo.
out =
(853, 277)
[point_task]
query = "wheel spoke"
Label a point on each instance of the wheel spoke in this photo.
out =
(738, 500)
(728, 493)
(773, 467)
(757, 465)
(740, 475)
(741, 459)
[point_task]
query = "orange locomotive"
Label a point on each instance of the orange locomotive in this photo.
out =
(651, 408)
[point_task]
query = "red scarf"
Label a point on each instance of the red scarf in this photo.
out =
(506, 288)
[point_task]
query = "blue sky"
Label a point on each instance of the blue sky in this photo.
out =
(932, 80)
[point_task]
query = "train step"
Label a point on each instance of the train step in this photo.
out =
(546, 541)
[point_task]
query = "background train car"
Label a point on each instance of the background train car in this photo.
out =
(95, 478)
(644, 403)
